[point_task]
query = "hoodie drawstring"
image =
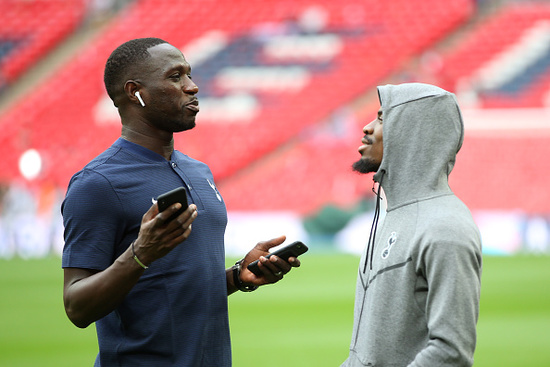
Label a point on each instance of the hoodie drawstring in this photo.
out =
(374, 226)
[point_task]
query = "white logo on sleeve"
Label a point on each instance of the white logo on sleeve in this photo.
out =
(391, 241)
(215, 190)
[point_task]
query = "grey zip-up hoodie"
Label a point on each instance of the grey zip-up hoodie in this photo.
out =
(418, 288)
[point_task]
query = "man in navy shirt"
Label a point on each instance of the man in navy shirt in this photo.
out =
(156, 288)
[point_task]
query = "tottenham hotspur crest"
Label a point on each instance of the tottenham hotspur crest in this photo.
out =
(391, 241)
(215, 190)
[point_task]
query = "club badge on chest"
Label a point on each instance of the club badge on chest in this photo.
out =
(391, 241)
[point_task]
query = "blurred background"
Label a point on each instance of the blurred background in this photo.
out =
(285, 89)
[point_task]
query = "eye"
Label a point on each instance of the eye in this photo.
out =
(175, 76)
(189, 76)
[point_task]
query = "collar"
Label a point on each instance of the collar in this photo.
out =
(140, 150)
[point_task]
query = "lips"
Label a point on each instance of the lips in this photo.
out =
(193, 106)
(366, 142)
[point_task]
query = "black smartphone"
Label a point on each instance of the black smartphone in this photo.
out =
(295, 249)
(178, 195)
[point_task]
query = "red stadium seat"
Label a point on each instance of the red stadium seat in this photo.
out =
(34, 28)
(363, 40)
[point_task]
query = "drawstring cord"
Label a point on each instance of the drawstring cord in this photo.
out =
(374, 226)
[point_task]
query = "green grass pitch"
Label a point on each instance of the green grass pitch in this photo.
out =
(305, 320)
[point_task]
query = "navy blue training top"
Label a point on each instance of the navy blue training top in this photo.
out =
(176, 315)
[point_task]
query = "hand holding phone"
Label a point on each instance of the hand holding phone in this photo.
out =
(295, 249)
(178, 195)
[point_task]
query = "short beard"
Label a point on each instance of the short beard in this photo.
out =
(365, 166)
(187, 126)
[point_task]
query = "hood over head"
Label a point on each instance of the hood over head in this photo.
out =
(423, 131)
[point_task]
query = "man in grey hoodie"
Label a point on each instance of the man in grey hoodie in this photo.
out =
(418, 287)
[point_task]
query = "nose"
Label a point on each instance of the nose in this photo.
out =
(369, 128)
(190, 87)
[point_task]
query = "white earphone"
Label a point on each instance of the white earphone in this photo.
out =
(140, 99)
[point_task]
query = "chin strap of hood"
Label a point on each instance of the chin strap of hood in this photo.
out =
(374, 226)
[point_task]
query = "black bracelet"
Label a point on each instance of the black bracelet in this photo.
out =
(237, 278)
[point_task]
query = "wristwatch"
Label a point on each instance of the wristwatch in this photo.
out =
(237, 278)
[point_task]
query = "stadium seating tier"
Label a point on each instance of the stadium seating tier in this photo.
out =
(68, 119)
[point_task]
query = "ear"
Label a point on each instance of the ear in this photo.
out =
(130, 89)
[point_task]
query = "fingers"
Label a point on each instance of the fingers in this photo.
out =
(160, 233)
(273, 268)
(294, 262)
(174, 218)
(174, 211)
(167, 231)
(178, 229)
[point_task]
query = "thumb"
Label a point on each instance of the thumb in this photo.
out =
(151, 213)
(266, 245)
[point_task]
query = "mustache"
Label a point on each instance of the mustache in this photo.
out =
(367, 140)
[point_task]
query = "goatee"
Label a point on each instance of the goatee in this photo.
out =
(365, 166)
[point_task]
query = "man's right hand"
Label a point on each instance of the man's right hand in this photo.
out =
(90, 294)
(158, 236)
